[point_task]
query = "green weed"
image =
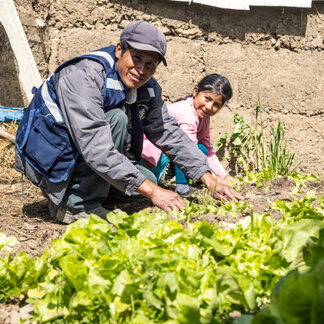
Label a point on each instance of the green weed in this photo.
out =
(247, 152)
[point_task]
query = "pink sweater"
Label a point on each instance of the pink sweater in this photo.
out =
(187, 118)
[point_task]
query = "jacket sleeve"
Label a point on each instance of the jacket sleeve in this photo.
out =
(79, 88)
(163, 131)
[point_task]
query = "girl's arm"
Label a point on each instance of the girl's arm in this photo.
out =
(204, 138)
(212, 159)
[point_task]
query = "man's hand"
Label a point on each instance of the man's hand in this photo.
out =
(219, 189)
(167, 200)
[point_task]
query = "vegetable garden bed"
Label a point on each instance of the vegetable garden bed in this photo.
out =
(209, 264)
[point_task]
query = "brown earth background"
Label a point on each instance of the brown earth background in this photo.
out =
(274, 52)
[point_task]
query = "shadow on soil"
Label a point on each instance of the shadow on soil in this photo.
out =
(38, 209)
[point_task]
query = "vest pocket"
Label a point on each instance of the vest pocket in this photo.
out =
(45, 143)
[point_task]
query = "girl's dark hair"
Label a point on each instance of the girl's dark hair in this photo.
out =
(216, 83)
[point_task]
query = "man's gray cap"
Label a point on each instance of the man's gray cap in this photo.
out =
(143, 36)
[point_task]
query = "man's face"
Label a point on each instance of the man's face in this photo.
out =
(136, 67)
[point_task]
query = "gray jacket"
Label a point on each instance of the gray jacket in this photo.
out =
(79, 87)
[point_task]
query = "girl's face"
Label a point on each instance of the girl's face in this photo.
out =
(207, 103)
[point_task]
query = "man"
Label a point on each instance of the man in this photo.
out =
(81, 137)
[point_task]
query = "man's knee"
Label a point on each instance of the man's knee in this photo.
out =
(117, 118)
(151, 176)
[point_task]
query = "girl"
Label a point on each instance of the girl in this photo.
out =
(193, 116)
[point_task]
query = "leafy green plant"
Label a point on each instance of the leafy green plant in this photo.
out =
(301, 180)
(258, 178)
(236, 209)
(152, 270)
(280, 160)
(20, 274)
(247, 151)
(246, 148)
(298, 297)
(299, 209)
(7, 242)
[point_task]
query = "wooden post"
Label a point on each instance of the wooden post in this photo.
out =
(28, 72)
(7, 135)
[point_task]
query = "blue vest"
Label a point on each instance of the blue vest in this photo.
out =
(42, 138)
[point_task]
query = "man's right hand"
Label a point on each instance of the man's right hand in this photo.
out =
(165, 199)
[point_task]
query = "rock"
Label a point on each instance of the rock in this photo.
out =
(26, 312)
(15, 317)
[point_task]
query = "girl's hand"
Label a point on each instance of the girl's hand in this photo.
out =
(219, 189)
(220, 180)
(228, 178)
